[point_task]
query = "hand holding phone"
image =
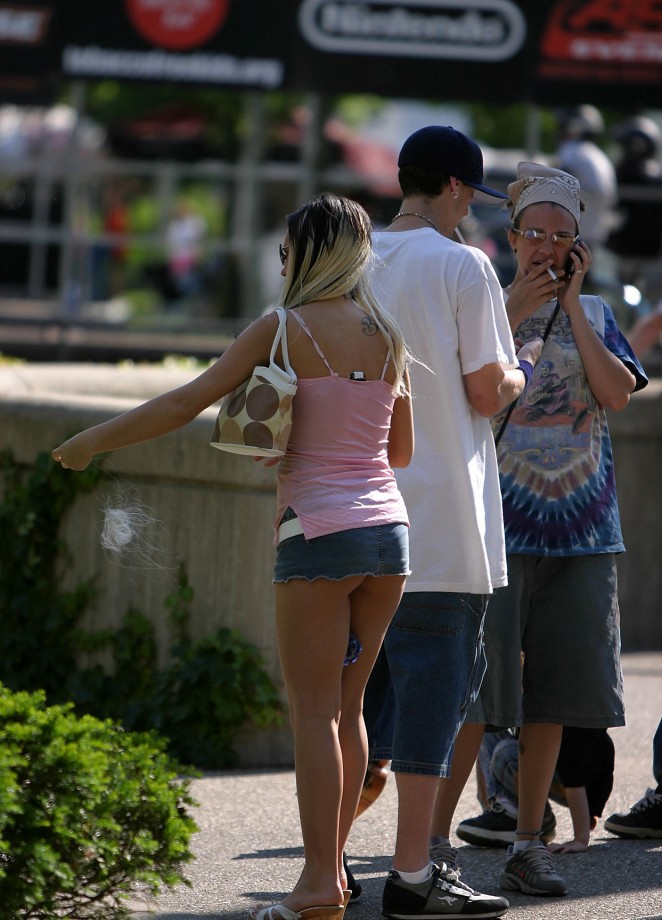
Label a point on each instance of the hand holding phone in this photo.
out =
(570, 265)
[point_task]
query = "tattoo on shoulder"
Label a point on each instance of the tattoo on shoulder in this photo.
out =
(370, 327)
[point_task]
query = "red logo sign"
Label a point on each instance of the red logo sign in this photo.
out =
(177, 24)
(593, 38)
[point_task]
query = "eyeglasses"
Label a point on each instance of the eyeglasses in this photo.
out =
(282, 252)
(566, 240)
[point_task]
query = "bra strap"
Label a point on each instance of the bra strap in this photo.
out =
(315, 345)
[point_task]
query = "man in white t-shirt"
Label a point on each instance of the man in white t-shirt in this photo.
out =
(448, 302)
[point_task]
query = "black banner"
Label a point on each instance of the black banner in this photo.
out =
(30, 52)
(549, 51)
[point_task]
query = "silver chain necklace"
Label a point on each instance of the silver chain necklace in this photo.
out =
(414, 214)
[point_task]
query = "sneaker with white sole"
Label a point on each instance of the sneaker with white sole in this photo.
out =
(437, 898)
(496, 827)
(643, 821)
(531, 871)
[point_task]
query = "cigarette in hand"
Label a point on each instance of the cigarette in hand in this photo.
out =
(552, 275)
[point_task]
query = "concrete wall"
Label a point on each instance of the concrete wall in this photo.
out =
(217, 510)
(637, 441)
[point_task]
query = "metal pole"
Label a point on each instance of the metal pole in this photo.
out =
(43, 185)
(68, 281)
(532, 141)
(246, 227)
(311, 148)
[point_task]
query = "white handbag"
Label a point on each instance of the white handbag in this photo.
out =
(256, 418)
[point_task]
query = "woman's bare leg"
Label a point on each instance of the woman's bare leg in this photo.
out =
(313, 624)
(372, 605)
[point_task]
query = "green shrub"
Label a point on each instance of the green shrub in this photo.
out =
(88, 813)
(210, 689)
(213, 688)
(40, 622)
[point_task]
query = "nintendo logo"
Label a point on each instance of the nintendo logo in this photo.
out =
(478, 30)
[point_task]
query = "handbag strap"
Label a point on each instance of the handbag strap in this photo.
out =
(281, 336)
(511, 407)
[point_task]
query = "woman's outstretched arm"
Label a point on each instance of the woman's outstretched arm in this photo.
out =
(172, 410)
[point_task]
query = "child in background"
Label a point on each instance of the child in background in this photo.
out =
(583, 781)
(585, 770)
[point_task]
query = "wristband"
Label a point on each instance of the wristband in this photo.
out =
(527, 369)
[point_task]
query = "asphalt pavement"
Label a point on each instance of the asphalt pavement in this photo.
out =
(248, 850)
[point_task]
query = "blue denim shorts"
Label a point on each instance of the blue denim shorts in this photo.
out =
(562, 612)
(429, 671)
(379, 550)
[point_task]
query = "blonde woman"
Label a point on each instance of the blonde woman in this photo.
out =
(341, 525)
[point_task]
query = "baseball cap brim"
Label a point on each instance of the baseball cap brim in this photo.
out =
(485, 194)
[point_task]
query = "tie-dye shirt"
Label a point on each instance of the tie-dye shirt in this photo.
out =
(556, 465)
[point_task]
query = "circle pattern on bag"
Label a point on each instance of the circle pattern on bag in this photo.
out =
(258, 435)
(236, 404)
(257, 416)
(262, 402)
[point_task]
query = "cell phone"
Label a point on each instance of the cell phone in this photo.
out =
(570, 265)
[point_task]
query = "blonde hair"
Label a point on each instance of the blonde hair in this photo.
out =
(330, 255)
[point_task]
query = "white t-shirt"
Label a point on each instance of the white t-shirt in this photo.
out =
(448, 302)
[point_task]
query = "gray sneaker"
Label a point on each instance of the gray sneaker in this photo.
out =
(532, 872)
(437, 898)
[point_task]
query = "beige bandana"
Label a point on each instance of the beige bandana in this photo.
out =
(537, 183)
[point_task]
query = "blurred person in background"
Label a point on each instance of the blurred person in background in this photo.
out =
(637, 239)
(185, 237)
(578, 153)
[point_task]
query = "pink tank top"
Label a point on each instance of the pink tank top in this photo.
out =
(335, 474)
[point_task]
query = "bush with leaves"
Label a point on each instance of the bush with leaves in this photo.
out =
(209, 690)
(40, 625)
(89, 813)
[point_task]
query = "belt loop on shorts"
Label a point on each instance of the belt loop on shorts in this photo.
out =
(289, 529)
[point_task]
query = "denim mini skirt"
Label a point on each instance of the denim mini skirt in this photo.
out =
(382, 549)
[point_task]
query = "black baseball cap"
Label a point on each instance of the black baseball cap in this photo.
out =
(444, 149)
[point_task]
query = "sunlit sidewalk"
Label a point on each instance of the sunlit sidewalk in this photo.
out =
(249, 846)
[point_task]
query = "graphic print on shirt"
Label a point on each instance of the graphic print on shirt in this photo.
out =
(555, 459)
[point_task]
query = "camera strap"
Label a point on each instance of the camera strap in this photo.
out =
(511, 407)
